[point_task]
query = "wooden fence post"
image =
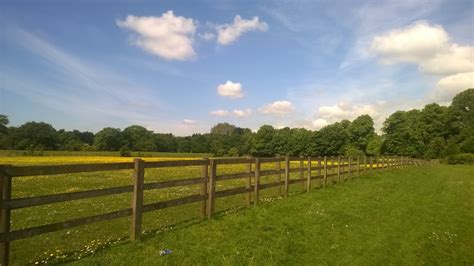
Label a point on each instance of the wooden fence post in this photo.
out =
(248, 184)
(308, 185)
(5, 190)
(302, 171)
(350, 167)
(342, 166)
(211, 190)
(338, 168)
(365, 164)
(278, 168)
(204, 174)
(325, 170)
(137, 199)
(287, 175)
(358, 165)
(319, 171)
(257, 182)
(333, 167)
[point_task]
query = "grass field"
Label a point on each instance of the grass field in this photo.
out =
(405, 216)
(397, 217)
(85, 240)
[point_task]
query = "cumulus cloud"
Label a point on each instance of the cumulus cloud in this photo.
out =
(320, 123)
(455, 59)
(236, 113)
(220, 113)
(228, 33)
(412, 44)
(230, 89)
(167, 36)
(429, 47)
(449, 86)
(329, 114)
(242, 113)
(277, 108)
(189, 122)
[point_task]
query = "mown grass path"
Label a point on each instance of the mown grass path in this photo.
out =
(411, 216)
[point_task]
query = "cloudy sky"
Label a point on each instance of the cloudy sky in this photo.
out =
(182, 67)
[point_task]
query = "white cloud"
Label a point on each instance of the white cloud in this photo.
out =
(230, 89)
(320, 123)
(220, 113)
(189, 122)
(455, 59)
(167, 36)
(278, 108)
(228, 33)
(429, 47)
(426, 45)
(448, 87)
(242, 113)
(207, 36)
(412, 44)
(345, 110)
(236, 113)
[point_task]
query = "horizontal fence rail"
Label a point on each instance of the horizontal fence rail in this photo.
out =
(319, 168)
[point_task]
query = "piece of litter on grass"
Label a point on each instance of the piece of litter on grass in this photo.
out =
(165, 252)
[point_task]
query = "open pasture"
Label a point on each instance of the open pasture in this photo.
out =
(411, 216)
(80, 241)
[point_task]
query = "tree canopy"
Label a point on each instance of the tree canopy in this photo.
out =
(432, 132)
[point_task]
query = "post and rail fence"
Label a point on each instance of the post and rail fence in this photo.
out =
(207, 196)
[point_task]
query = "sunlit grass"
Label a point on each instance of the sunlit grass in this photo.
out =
(415, 216)
(80, 241)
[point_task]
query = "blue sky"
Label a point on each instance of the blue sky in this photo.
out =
(182, 67)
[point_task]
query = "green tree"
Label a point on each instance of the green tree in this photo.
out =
(374, 146)
(332, 139)
(138, 138)
(108, 139)
(361, 131)
(223, 129)
(33, 136)
(264, 145)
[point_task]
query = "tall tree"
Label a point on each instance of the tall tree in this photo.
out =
(361, 131)
(108, 139)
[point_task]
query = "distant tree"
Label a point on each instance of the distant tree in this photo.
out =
(3, 124)
(108, 139)
(69, 141)
(361, 131)
(223, 129)
(374, 146)
(165, 142)
(32, 136)
(3, 131)
(138, 138)
(264, 145)
(332, 139)
(435, 148)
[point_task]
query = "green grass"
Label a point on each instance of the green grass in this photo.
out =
(411, 217)
(80, 241)
(284, 231)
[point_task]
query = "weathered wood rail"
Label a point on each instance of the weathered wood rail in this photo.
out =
(324, 168)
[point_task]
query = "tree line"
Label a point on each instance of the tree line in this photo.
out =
(432, 132)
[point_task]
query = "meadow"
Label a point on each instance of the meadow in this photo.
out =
(286, 231)
(411, 216)
(85, 240)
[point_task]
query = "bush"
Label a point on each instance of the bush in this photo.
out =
(125, 151)
(462, 158)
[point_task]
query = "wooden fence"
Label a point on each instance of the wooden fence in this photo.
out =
(207, 196)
